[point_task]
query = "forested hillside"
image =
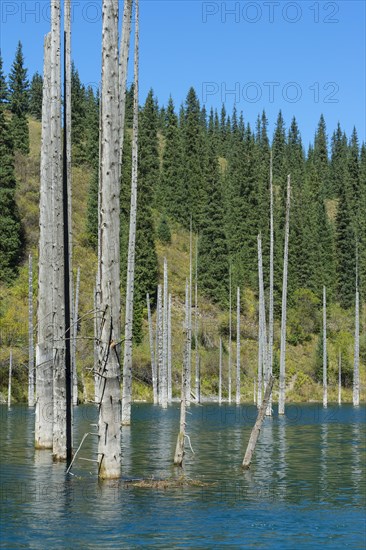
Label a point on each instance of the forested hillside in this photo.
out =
(209, 170)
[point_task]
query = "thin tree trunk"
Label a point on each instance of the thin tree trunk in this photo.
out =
(10, 375)
(109, 424)
(127, 362)
(170, 391)
(164, 387)
(123, 63)
(230, 338)
(96, 345)
(263, 328)
(220, 371)
(260, 326)
(179, 449)
(340, 378)
(257, 426)
(271, 284)
(325, 356)
(44, 350)
(282, 392)
(238, 347)
(159, 342)
(59, 356)
(254, 392)
(189, 376)
(30, 336)
(356, 359)
(151, 340)
(74, 339)
(198, 382)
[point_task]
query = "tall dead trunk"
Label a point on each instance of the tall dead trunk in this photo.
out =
(282, 389)
(123, 64)
(220, 371)
(339, 378)
(325, 356)
(271, 285)
(164, 387)
(254, 391)
(152, 353)
(109, 424)
(197, 378)
(356, 360)
(159, 341)
(238, 346)
(170, 389)
(179, 449)
(30, 335)
(44, 350)
(10, 376)
(127, 360)
(189, 368)
(74, 339)
(262, 371)
(230, 338)
(96, 345)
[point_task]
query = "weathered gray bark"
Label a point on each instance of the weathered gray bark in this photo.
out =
(254, 391)
(109, 424)
(263, 328)
(197, 357)
(30, 336)
(164, 377)
(257, 426)
(189, 371)
(96, 345)
(10, 375)
(170, 389)
(152, 352)
(356, 360)
(339, 378)
(59, 369)
(220, 371)
(238, 346)
(282, 389)
(261, 347)
(123, 64)
(230, 338)
(127, 361)
(325, 356)
(271, 284)
(74, 339)
(159, 340)
(179, 449)
(44, 350)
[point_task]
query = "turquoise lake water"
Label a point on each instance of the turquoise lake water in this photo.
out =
(306, 487)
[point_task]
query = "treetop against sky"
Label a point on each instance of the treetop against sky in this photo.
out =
(303, 57)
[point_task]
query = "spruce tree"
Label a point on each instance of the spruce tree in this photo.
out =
(35, 96)
(19, 102)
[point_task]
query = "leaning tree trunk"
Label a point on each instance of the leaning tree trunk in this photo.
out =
(197, 380)
(44, 351)
(59, 350)
(10, 376)
(152, 353)
(238, 347)
(127, 360)
(220, 371)
(109, 425)
(30, 336)
(325, 356)
(271, 284)
(356, 361)
(179, 449)
(74, 339)
(230, 337)
(164, 377)
(339, 378)
(159, 341)
(281, 400)
(170, 390)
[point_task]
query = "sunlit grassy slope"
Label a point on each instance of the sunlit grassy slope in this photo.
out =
(212, 321)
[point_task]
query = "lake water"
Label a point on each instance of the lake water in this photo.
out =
(306, 487)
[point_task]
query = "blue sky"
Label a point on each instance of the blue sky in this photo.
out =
(305, 58)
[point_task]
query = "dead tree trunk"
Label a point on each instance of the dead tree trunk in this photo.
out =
(74, 339)
(325, 356)
(96, 346)
(230, 338)
(30, 336)
(257, 426)
(262, 317)
(127, 361)
(164, 378)
(109, 425)
(152, 353)
(197, 380)
(238, 346)
(282, 389)
(179, 449)
(159, 341)
(170, 390)
(356, 360)
(10, 375)
(271, 284)
(189, 375)
(220, 371)
(339, 378)
(261, 349)
(123, 63)
(44, 351)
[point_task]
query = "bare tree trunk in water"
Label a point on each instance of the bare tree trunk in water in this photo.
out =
(198, 381)
(152, 353)
(340, 378)
(238, 346)
(109, 424)
(74, 339)
(356, 361)
(262, 317)
(159, 341)
(220, 371)
(325, 356)
(230, 338)
(30, 336)
(164, 378)
(271, 284)
(127, 360)
(189, 375)
(170, 390)
(10, 375)
(282, 390)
